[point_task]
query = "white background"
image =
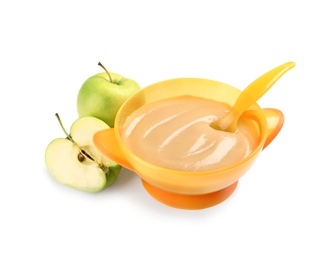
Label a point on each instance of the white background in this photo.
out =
(283, 208)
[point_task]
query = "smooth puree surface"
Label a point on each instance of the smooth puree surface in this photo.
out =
(175, 133)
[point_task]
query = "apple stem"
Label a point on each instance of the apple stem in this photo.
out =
(66, 133)
(108, 74)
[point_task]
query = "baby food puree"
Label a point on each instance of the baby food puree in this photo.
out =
(175, 133)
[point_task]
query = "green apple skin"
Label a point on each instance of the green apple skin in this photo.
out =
(61, 158)
(99, 97)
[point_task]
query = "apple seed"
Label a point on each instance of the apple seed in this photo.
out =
(80, 157)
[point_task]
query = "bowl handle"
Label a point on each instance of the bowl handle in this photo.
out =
(106, 142)
(275, 121)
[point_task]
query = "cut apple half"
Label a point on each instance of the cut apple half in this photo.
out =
(75, 161)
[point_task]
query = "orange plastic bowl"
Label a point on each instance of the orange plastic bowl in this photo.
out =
(180, 189)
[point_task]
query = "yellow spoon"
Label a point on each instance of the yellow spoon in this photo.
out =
(249, 96)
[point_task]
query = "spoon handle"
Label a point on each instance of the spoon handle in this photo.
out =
(251, 94)
(259, 87)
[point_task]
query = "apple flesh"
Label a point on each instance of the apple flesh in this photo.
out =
(76, 162)
(102, 95)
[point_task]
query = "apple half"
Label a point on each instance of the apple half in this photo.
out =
(75, 161)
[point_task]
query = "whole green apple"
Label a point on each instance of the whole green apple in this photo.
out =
(102, 95)
(76, 162)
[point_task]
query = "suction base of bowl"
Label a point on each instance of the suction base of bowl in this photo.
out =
(192, 202)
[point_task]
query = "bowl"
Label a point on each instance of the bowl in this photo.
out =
(183, 189)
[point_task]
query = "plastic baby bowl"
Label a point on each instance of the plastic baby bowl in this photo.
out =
(181, 189)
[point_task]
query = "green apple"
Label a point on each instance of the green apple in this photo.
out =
(75, 161)
(102, 95)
